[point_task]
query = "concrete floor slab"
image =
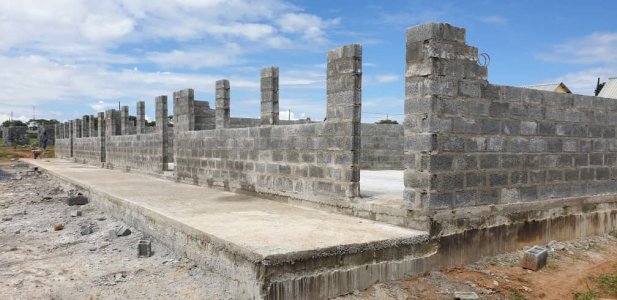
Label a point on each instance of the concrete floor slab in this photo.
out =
(382, 185)
(274, 247)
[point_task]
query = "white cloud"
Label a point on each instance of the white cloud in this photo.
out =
(493, 20)
(596, 53)
(198, 58)
(73, 52)
(598, 47)
(386, 78)
(102, 105)
(4, 117)
(584, 81)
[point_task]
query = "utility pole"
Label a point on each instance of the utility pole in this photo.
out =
(289, 115)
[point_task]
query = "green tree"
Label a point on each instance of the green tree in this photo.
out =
(386, 121)
(9, 123)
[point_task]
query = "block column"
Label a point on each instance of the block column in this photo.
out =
(71, 136)
(124, 120)
(344, 92)
(85, 123)
(222, 103)
(112, 124)
(162, 128)
(270, 96)
(184, 110)
(92, 127)
(77, 128)
(101, 134)
(141, 117)
(438, 63)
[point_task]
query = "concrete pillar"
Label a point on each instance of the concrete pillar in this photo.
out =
(437, 62)
(101, 135)
(141, 117)
(112, 123)
(71, 136)
(184, 110)
(124, 120)
(344, 92)
(162, 128)
(270, 96)
(77, 128)
(101, 124)
(57, 131)
(222, 103)
(92, 126)
(344, 83)
(85, 123)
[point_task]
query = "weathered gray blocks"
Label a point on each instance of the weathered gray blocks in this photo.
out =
(76, 200)
(222, 103)
(465, 296)
(534, 258)
(270, 96)
(144, 248)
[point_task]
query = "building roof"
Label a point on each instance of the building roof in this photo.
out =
(610, 89)
(551, 87)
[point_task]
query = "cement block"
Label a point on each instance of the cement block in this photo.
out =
(144, 248)
(78, 199)
(86, 230)
(465, 296)
(122, 231)
(534, 258)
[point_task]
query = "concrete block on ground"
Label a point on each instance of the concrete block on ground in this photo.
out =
(144, 248)
(78, 199)
(76, 213)
(86, 230)
(534, 258)
(122, 231)
(465, 296)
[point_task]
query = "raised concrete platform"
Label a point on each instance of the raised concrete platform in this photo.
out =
(384, 185)
(268, 249)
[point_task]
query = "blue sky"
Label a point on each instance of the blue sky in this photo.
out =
(70, 58)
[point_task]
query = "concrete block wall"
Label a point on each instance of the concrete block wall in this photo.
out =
(470, 143)
(318, 161)
(204, 115)
(51, 133)
(87, 150)
(64, 140)
(143, 152)
(87, 145)
(382, 147)
(15, 136)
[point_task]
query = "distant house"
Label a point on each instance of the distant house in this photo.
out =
(551, 87)
(609, 90)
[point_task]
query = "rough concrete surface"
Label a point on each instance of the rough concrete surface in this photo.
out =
(255, 225)
(382, 185)
(267, 249)
(37, 262)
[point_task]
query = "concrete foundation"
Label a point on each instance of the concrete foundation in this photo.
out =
(268, 249)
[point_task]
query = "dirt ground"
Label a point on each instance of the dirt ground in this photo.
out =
(38, 262)
(11, 153)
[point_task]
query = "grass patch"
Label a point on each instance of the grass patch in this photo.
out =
(613, 232)
(4, 154)
(515, 295)
(588, 295)
(608, 282)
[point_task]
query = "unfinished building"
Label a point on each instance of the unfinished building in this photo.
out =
(485, 168)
